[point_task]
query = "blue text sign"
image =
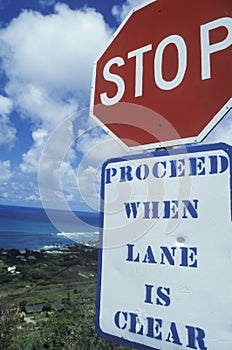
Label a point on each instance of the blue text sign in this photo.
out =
(165, 250)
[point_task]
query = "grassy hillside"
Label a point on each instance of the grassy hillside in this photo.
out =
(47, 300)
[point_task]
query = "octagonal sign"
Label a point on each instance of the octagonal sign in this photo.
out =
(165, 78)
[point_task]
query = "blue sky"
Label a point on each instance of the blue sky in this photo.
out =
(51, 151)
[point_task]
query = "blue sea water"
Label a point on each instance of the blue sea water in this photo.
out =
(35, 228)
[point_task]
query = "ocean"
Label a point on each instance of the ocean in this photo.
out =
(35, 228)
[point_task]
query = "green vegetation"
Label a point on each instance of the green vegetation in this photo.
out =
(47, 300)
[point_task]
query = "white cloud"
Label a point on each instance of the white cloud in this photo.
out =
(7, 130)
(5, 171)
(63, 173)
(56, 174)
(40, 108)
(96, 147)
(49, 60)
(5, 105)
(31, 158)
(88, 186)
(33, 197)
(121, 11)
(15, 191)
(47, 3)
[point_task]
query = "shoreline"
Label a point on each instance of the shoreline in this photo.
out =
(45, 241)
(52, 248)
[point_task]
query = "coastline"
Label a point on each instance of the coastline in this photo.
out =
(30, 228)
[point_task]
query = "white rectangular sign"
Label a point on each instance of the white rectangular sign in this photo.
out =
(165, 258)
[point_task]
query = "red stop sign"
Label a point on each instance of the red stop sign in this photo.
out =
(166, 76)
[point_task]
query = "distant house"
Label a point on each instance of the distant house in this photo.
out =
(31, 309)
(11, 269)
(57, 306)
